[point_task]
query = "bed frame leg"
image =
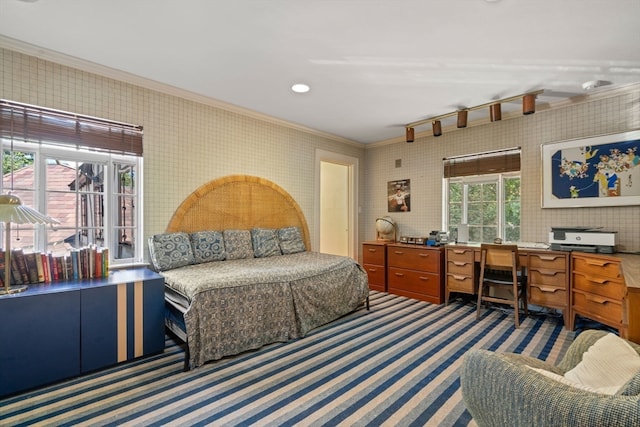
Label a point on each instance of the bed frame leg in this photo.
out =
(187, 357)
(368, 304)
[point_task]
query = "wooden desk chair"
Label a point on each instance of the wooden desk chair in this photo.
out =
(500, 268)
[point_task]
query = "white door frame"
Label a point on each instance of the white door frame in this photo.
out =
(352, 164)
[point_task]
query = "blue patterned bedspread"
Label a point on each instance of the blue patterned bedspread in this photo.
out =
(239, 305)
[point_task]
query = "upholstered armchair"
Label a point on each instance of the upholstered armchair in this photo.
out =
(501, 389)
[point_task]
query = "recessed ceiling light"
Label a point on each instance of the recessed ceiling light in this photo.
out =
(300, 88)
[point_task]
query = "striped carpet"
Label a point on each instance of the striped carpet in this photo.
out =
(393, 366)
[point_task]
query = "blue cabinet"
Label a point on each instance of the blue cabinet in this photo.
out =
(61, 330)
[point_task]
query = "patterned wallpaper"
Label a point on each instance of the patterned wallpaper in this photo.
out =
(422, 163)
(188, 143)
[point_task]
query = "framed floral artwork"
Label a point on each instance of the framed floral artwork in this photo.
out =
(598, 171)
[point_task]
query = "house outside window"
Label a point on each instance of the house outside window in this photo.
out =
(95, 194)
(483, 191)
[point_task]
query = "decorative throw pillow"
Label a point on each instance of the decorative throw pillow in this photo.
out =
(265, 242)
(562, 379)
(207, 246)
(170, 250)
(291, 240)
(237, 244)
(607, 365)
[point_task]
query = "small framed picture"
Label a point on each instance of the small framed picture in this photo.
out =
(399, 195)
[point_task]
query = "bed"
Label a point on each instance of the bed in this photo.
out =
(223, 300)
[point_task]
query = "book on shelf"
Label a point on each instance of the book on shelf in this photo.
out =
(16, 278)
(39, 267)
(21, 262)
(32, 266)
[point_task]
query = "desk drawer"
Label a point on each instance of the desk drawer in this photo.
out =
(543, 276)
(461, 268)
(466, 255)
(599, 285)
(460, 283)
(415, 259)
(601, 267)
(548, 296)
(595, 307)
(548, 261)
(414, 281)
(373, 254)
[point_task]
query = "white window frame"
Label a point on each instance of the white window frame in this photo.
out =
(498, 178)
(44, 150)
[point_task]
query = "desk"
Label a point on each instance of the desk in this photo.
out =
(547, 281)
(605, 288)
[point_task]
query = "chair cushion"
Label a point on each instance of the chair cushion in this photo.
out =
(607, 366)
(207, 246)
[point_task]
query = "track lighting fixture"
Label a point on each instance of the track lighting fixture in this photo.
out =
(495, 112)
(462, 118)
(529, 104)
(410, 135)
(437, 128)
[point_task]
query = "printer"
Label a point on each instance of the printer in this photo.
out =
(583, 239)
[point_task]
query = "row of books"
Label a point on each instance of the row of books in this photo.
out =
(33, 267)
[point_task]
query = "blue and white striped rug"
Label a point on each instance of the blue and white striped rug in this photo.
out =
(396, 365)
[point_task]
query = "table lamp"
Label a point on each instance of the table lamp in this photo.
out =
(12, 210)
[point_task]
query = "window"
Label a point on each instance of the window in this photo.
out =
(483, 191)
(92, 188)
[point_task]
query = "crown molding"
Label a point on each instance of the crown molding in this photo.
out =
(123, 76)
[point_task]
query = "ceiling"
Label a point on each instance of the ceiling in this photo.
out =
(373, 65)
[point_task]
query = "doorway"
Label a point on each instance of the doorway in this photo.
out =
(336, 197)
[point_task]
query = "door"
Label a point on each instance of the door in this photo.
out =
(336, 203)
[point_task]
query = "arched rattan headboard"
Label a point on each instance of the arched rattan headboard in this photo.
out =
(238, 202)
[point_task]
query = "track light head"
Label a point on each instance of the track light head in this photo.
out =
(437, 128)
(410, 134)
(495, 112)
(462, 118)
(529, 104)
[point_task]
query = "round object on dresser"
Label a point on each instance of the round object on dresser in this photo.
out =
(386, 229)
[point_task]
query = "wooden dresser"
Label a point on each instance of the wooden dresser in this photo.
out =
(548, 280)
(598, 290)
(416, 271)
(374, 261)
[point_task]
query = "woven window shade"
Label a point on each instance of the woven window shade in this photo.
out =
(483, 163)
(36, 124)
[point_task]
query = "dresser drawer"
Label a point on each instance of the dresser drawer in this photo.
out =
(548, 261)
(414, 259)
(599, 308)
(414, 281)
(375, 274)
(373, 254)
(543, 276)
(548, 296)
(599, 285)
(460, 283)
(601, 267)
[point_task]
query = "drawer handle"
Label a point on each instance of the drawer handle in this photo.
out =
(546, 289)
(548, 257)
(372, 250)
(455, 276)
(459, 264)
(459, 251)
(399, 274)
(373, 270)
(548, 272)
(423, 278)
(424, 255)
(598, 264)
(598, 281)
(596, 299)
(398, 252)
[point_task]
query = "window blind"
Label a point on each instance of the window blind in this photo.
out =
(482, 163)
(37, 124)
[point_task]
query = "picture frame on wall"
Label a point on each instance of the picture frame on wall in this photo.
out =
(399, 195)
(590, 172)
